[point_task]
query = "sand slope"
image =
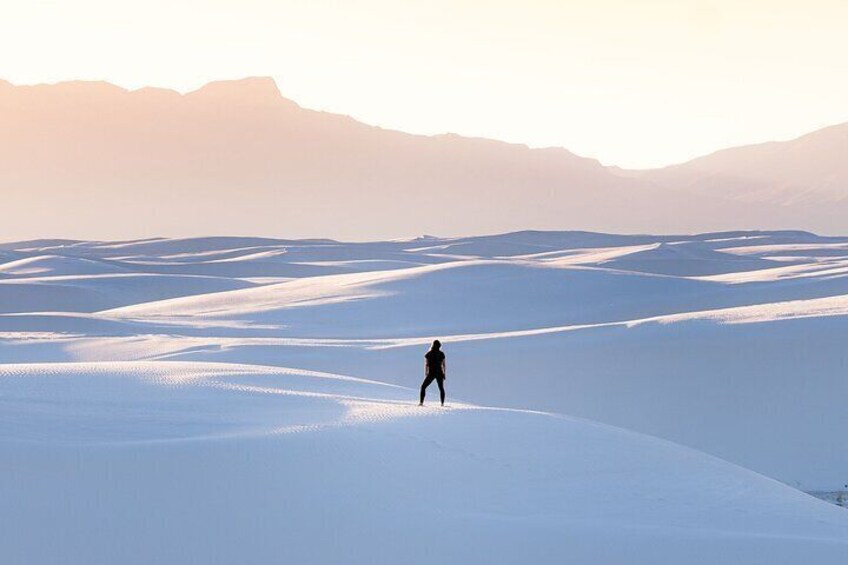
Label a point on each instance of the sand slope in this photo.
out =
(215, 463)
(222, 400)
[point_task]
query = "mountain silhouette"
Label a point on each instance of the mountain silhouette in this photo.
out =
(93, 160)
(809, 171)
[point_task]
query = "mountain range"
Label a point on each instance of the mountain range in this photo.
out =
(93, 160)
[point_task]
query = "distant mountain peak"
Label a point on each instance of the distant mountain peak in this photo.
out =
(74, 87)
(261, 90)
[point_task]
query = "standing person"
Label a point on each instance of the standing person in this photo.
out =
(434, 369)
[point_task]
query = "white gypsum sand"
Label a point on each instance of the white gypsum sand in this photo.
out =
(223, 400)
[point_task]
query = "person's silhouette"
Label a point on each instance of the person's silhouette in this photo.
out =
(434, 369)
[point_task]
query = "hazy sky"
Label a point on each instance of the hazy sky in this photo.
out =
(637, 83)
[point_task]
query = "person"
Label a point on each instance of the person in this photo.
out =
(434, 369)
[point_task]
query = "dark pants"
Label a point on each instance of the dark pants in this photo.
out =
(440, 380)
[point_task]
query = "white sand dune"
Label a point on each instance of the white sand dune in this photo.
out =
(254, 464)
(497, 295)
(685, 259)
(90, 293)
(253, 400)
(56, 265)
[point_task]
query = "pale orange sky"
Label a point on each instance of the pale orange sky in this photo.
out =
(630, 82)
